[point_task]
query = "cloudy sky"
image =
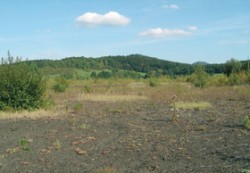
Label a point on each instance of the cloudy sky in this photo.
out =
(177, 30)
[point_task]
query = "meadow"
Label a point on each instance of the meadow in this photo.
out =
(126, 125)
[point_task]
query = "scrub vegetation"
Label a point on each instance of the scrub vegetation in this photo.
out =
(122, 119)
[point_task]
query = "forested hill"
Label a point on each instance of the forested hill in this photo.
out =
(136, 62)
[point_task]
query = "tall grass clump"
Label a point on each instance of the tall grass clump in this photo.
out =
(20, 87)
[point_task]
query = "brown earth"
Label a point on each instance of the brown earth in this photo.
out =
(135, 136)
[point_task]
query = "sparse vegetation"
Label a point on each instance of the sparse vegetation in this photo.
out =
(193, 105)
(247, 122)
(124, 124)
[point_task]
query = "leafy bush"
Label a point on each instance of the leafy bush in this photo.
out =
(61, 84)
(153, 83)
(199, 78)
(20, 87)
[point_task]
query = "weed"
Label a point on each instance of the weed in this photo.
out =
(25, 144)
(77, 107)
(87, 89)
(174, 118)
(57, 145)
(246, 122)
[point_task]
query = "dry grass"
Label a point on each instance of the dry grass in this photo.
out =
(26, 114)
(111, 98)
(193, 105)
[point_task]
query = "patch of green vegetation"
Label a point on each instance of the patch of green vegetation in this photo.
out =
(192, 105)
(153, 83)
(57, 145)
(20, 87)
(60, 85)
(245, 171)
(25, 144)
(77, 107)
(246, 122)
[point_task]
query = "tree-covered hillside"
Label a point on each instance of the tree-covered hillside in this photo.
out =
(136, 62)
(135, 65)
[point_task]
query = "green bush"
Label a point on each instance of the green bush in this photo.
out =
(60, 85)
(153, 83)
(199, 77)
(20, 87)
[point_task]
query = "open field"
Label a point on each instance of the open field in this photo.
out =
(126, 126)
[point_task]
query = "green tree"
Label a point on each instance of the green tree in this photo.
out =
(232, 66)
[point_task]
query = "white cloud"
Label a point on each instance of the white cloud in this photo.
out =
(192, 28)
(94, 19)
(163, 33)
(171, 6)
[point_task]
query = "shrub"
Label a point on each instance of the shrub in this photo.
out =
(61, 84)
(199, 77)
(20, 87)
(153, 83)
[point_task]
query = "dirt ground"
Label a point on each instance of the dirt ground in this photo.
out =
(135, 136)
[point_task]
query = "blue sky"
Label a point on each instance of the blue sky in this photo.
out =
(177, 30)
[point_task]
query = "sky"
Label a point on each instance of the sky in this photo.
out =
(184, 31)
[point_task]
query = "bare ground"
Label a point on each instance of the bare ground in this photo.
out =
(129, 137)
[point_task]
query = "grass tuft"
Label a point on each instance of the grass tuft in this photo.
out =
(192, 105)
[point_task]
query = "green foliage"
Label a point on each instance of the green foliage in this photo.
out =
(199, 78)
(153, 82)
(77, 107)
(245, 171)
(246, 122)
(233, 79)
(24, 143)
(232, 66)
(217, 80)
(61, 84)
(20, 87)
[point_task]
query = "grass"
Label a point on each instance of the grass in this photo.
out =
(193, 105)
(27, 114)
(112, 97)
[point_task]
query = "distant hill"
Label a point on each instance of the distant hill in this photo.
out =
(135, 63)
(200, 63)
